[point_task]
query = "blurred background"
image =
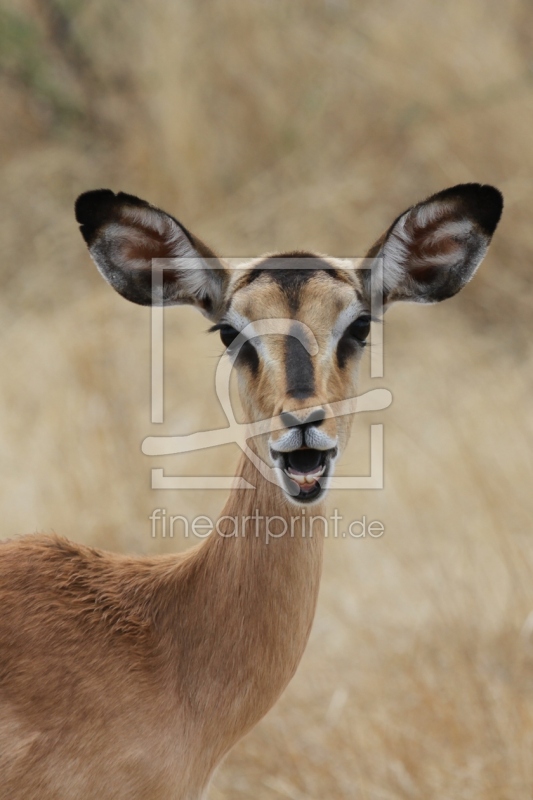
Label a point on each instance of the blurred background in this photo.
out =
(265, 126)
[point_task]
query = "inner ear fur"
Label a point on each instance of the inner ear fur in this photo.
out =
(434, 248)
(124, 234)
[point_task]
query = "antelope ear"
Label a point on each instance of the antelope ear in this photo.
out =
(124, 235)
(434, 248)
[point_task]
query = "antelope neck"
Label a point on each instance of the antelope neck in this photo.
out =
(254, 597)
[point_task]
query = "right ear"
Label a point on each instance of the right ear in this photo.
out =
(124, 234)
(434, 248)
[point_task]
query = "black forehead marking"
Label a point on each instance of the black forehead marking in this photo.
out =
(298, 369)
(283, 270)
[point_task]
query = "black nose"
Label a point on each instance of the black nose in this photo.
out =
(314, 417)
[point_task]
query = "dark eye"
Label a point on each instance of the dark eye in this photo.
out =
(228, 335)
(359, 329)
(247, 355)
(353, 338)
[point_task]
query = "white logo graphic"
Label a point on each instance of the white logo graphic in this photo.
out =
(239, 433)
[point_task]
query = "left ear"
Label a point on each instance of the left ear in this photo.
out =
(434, 248)
(147, 256)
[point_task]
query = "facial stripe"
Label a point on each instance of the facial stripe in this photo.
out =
(299, 369)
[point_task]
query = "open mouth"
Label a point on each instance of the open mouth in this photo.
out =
(305, 471)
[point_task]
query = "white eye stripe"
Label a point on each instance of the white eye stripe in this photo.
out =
(345, 318)
(243, 325)
(236, 320)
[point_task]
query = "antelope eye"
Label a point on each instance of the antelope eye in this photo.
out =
(228, 335)
(359, 329)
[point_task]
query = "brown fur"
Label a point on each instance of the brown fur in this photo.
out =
(130, 678)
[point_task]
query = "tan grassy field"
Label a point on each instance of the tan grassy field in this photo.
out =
(262, 126)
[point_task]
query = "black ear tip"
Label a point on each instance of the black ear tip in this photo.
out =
(91, 209)
(93, 203)
(94, 208)
(495, 207)
(485, 202)
(490, 207)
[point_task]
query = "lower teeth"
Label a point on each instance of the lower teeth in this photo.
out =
(308, 479)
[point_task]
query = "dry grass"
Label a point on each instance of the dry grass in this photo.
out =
(264, 126)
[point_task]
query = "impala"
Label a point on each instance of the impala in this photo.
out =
(130, 678)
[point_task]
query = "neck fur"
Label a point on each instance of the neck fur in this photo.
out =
(252, 595)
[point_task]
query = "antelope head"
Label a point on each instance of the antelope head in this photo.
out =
(295, 323)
